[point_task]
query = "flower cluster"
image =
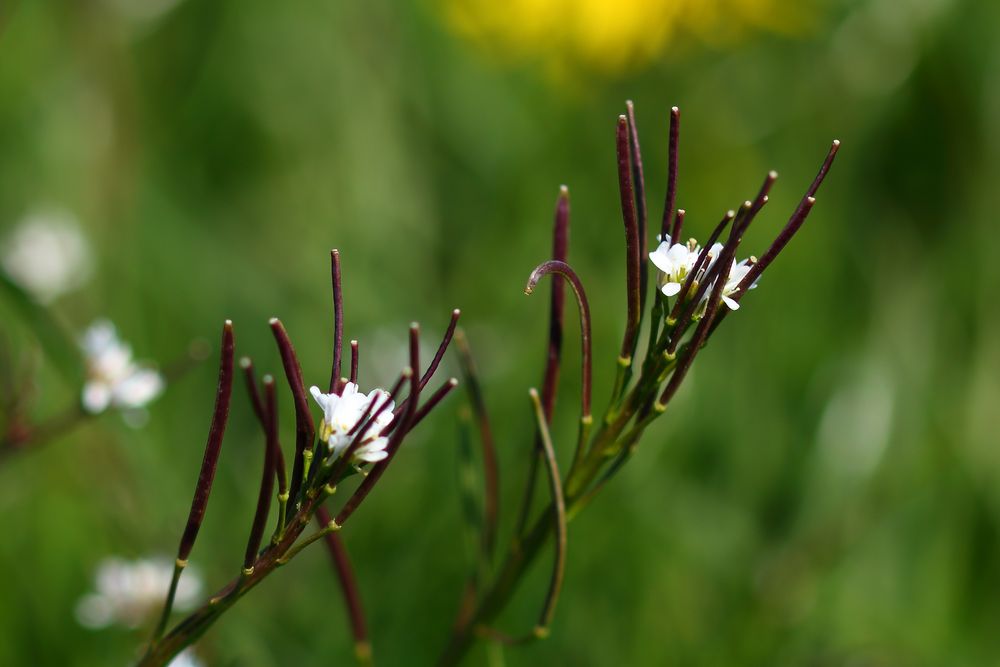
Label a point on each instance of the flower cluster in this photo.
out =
(344, 413)
(114, 379)
(675, 261)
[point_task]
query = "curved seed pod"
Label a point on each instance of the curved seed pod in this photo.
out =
(565, 270)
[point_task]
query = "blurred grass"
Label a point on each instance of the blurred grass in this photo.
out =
(823, 492)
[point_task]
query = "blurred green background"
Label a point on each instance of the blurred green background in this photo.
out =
(824, 491)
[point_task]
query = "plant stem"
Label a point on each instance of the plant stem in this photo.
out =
(514, 566)
(186, 632)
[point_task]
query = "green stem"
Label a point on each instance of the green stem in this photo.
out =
(503, 588)
(607, 442)
(162, 651)
(168, 605)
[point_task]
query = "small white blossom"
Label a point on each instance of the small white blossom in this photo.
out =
(47, 255)
(186, 658)
(341, 414)
(736, 275)
(737, 272)
(675, 262)
(113, 378)
(130, 593)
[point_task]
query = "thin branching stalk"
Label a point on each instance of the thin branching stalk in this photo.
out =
(277, 457)
(558, 522)
(349, 587)
(266, 484)
(203, 489)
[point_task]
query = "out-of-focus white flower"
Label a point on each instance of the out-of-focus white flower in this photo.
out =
(857, 423)
(342, 413)
(113, 378)
(186, 658)
(130, 592)
(675, 262)
(47, 255)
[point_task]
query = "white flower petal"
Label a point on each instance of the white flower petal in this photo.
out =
(661, 259)
(372, 457)
(138, 389)
(47, 254)
(96, 397)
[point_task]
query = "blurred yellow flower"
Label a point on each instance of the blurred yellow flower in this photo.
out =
(608, 36)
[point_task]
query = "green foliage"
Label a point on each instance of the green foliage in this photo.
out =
(825, 488)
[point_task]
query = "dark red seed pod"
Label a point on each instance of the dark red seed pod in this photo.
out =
(338, 320)
(633, 295)
(216, 431)
(305, 429)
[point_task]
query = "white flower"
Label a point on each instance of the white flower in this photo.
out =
(674, 261)
(47, 255)
(736, 275)
(131, 592)
(113, 378)
(737, 272)
(342, 413)
(186, 658)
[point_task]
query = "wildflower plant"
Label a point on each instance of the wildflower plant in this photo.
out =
(696, 285)
(358, 436)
